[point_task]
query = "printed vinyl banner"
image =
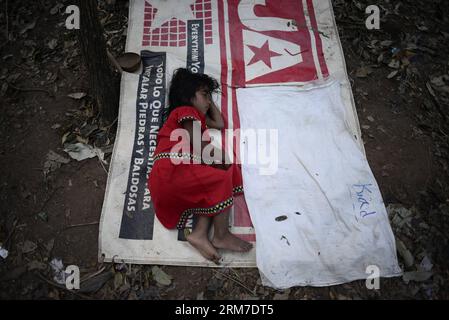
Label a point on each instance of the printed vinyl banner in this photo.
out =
(247, 45)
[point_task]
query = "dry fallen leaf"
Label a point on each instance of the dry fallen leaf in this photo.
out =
(53, 162)
(282, 296)
(405, 253)
(395, 64)
(77, 95)
(53, 43)
(28, 26)
(363, 72)
(392, 74)
(160, 276)
(36, 265)
(56, 8)
(118, 280)
(28, 246)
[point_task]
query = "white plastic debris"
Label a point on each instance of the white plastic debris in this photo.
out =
(80, 151)
(58, 271)
(3, 252)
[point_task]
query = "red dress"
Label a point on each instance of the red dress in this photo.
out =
(180, 190)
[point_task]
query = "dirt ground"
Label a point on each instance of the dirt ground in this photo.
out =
(51, 209)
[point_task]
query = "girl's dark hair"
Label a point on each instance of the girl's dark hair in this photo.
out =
(185, 84)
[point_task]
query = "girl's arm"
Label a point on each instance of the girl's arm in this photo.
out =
(213, 117)
(188, 126)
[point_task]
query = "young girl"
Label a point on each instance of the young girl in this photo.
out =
(205, 190)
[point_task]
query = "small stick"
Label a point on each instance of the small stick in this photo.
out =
(114, 61)
(82, 224)
(7, 22)
(109, 126)
(236, 281)
(101, 162)
(435, 100)
(235, 273)
(30, 89)
(14, 225)
(40, 276)
(93, 275)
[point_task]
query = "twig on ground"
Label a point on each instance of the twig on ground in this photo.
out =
(101, 162)
(7, 21)
(93, 274)
(235, 273)
(82, 224)
(40, 276)
(31, 89)
(236, 281)
(14, 225)
(109, 126)
(114, 61)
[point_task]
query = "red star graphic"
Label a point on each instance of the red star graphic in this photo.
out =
(263, 53)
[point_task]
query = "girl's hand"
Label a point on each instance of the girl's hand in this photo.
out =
(213, 117)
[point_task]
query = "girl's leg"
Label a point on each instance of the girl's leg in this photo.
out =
(199, 239)
(223, 239)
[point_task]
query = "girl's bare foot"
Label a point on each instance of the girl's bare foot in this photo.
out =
(231, 242)
(205, 247)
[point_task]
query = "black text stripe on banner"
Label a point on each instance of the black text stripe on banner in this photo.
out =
(195, 46)
(138, 211)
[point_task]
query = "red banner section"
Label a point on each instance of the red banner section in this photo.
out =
(274, 42)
